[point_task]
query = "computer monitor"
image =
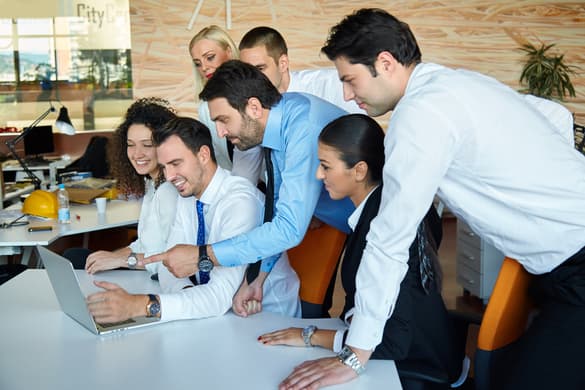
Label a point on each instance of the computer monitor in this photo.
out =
(39, 141)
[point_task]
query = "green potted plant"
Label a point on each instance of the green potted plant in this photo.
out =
(546, 74)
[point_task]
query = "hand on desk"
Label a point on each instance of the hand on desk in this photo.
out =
(314, 374)
(115, 304)
(248, 298)
(288, 336)
(181, 260)
(105, 260)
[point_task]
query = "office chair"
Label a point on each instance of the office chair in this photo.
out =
(315, 261)
(579, 137)
(8, 271)
(503, 322)
(94, 159)
(505, 319)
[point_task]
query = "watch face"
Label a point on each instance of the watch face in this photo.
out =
(205, 264)
(154, 309)
(307, 333)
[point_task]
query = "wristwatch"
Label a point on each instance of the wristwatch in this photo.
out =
(205, 263)
(307, 334)
(132, 260)
(153, 306)
(349, 358)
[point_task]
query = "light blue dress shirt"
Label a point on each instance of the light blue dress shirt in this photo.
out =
(292, 132)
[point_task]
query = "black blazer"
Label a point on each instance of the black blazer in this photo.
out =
(419, 331)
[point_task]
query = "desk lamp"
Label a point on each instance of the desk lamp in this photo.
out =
(63, 123)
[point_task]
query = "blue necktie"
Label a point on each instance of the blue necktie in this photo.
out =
(203, 276)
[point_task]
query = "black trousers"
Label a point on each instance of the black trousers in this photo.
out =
(550, 353)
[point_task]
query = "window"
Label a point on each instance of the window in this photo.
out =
(76, 58)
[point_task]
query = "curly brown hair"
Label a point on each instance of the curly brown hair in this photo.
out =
(151, 112)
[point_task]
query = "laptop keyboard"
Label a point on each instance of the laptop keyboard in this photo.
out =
(117, 324)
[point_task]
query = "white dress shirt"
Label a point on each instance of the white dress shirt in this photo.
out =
(157, 214)
(246, 164)
(494, 160)
(352, 221)
(323, 83)
(557, 115)
(231, 206)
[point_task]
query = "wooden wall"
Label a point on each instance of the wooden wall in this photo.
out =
(475, 34)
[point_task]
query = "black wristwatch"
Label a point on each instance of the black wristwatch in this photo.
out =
(153, 306)
(205, 263)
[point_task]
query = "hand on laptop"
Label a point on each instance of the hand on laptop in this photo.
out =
(181, 260)
(115, 304)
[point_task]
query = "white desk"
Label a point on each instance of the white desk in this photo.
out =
(118, 213)
(42, 348)
(38, 169)
(13, 165)
(15, 193)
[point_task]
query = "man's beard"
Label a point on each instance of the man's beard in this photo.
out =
(251, 134)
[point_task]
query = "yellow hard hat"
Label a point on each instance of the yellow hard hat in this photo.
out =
(42, 204)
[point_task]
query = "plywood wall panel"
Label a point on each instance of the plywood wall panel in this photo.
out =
(473, 34)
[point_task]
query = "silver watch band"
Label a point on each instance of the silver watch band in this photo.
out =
(307, 333)
(349, 358)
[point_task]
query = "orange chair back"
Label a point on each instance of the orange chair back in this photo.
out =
(314, 261)
(506, 315)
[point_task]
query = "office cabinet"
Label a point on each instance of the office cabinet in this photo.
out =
(478, 263)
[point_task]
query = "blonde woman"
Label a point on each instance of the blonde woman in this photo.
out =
(210, 48)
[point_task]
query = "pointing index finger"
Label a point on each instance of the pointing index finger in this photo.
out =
(152, 259)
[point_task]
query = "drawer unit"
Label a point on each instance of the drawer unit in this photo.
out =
(468, 255)
(465, 234)
(469, 279)
(478, 263)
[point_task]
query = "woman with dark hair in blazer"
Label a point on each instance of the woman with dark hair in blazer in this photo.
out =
(418, 335)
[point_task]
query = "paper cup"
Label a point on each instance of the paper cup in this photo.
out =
(101, 205)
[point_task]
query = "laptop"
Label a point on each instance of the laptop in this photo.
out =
(71, 298)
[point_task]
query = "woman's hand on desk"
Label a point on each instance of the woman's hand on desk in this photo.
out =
(104, 260)
(288, 336)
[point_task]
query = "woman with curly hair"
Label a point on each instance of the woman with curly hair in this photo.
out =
(209, 49)
(134, 164)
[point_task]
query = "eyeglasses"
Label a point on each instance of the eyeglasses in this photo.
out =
(15, 222)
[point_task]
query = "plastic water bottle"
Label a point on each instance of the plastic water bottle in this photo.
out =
(63, 198)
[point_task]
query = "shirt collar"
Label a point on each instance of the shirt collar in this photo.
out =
(272, 138)
(420, 75)
(292, 84)
(209, 196)
(354, 218)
